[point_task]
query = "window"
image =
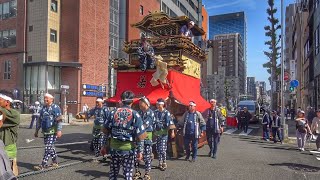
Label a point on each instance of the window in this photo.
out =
(1, 11)
(53, 35)
(5, 10)
(5, 39)
(183, 9)
(54, 5)
(7, 70)
(13, 8)
(29, 58)
(1, 39)
(141, 9)
(12, 38)
(30, 28)
(306, 51)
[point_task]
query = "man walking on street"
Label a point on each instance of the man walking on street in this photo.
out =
(245, 117)
(239, 123)
(149, 123)
(125, 127)
(35, 113)
(276, 124)
(9, 124)
(193, 128)
(265, 125)
(50, 122)
(214, 127)
(164, 123)
(100, 114)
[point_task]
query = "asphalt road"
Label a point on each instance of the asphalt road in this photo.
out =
(239, 157)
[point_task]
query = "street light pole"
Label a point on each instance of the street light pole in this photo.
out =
(285, 129)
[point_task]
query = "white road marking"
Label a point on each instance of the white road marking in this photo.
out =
(254, 127)
(245, 134)
(318, 158)
(230, 131)
(315, 152)
(29, 140)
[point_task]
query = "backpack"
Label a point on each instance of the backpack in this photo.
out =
(5, 165)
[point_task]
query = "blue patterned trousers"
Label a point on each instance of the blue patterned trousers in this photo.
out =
(49, 150)
(126, 161)
(162, 144)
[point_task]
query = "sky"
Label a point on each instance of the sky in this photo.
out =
(255, 11)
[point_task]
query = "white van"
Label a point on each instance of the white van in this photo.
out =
(253, 108)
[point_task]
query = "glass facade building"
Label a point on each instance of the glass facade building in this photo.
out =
(228, 24)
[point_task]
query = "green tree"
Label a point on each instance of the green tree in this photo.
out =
(273, 54)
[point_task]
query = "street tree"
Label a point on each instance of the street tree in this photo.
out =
(273, 54)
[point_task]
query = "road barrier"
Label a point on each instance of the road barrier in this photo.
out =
(232, 122)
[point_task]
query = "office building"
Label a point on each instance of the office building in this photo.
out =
(225, 67)
(56, 43)
(251, 87)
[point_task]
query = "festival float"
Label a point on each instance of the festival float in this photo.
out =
(176, 76)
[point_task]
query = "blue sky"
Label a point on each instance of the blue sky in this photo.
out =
(255, 11)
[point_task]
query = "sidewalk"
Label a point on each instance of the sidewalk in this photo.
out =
(25, 119)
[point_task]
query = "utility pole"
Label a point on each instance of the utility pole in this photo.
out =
(110, 75)
(285, 127)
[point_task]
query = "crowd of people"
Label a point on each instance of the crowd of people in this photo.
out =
(127, 135)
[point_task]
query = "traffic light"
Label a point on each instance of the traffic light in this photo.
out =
(291, 89)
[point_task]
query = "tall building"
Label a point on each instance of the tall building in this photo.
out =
(290, 65)
(299, 57)
(314, 20)
(205, 24)
(230, 23)
(54, 43)
(263, 86)
(225, 67)
(251, 87)
(12, 45)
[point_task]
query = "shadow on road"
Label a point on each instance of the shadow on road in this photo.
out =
(298, 167)
(94, 174)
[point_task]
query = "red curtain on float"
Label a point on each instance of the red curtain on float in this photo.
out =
(184, 88)
(139, 84)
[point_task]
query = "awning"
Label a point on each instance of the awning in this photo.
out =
(139, 84)
(183, 88)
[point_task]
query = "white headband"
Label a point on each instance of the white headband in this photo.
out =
(160, 103)
(99, 100)
(145, 100)
(5, 97)
(48, 95)
(212, 100)
(192, 103)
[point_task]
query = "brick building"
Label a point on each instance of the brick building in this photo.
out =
(12, 44)
(49, 43)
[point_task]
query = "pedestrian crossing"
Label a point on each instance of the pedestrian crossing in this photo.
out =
(241, 133)
(317, 154)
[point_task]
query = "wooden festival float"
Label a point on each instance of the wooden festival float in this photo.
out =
(181, 65)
